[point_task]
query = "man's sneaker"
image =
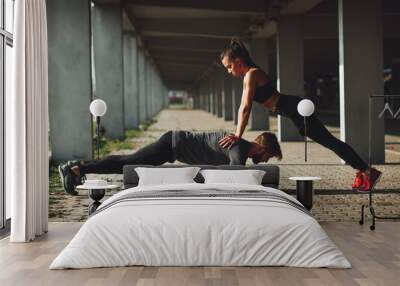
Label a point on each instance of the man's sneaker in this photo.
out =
(78, 180)
(68, 179)
(371, 180)
(358, 181)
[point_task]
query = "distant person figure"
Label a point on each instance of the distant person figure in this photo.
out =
(257, 87)
(187, 147)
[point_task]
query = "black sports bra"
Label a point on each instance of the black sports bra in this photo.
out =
(264, 92)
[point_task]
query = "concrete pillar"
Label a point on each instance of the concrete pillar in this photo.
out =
(208, 95)
(290, 64)
(148, 88)
(227, 109)
(131, 101)
(142, 86)
(219, 89)
(157, 97)
(237, 89)
(107, 48)
(259, 118)
(153, 91)
(158, 92)
(360, 74)
(312, 86)
(196, 98)
(69, 80)
(152, 94)
(205, 96)
(164, 95)
(155, 94)
(201, 96)
(394, 85)
(395, 82)
(215, 94)
(213, 99)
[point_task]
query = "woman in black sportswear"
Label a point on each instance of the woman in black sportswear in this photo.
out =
(257, 87)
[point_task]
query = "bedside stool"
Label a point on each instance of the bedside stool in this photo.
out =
(304, 190)
(96, 194)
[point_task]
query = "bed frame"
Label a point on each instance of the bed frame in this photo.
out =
(270, 179)
(131, 178)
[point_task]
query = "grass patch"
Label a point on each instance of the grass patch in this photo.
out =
(133, 133)
(180, 106)
(115, 145)
(54, 180)
(108, 146)
(144, 126)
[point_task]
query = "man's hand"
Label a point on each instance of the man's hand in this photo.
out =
(228, 141)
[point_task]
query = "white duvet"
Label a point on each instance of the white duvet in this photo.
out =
(200, 231)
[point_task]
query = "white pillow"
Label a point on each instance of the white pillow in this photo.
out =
(162, 176)
(248, 177)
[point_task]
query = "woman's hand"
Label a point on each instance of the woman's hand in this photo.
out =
(228, 141)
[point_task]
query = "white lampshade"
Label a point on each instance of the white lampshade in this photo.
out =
(305, 107)
(98, 107)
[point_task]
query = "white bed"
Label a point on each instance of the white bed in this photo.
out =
(185, 230)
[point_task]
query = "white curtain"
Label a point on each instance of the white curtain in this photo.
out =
(27, 123)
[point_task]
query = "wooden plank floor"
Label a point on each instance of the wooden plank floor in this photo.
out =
(375, 257)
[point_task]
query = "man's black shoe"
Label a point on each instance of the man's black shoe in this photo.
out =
(68, 179)
(78, 180)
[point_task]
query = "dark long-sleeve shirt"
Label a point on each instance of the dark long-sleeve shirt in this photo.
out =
(203, 148)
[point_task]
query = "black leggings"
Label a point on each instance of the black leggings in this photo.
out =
(156, 153)
(287, 106)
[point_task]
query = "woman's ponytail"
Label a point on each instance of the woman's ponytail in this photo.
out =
(236, 49)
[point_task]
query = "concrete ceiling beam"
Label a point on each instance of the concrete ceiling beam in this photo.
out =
(195, 44)
(207, 27)
(299, 6)
(179, 85)
(188, 65)
(220, 5)
(172, 60)
(185, 54)
(325, 26)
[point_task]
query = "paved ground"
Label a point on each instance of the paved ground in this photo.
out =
(333, 202)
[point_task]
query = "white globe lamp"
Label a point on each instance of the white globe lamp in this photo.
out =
(305, 108)
(98, 108)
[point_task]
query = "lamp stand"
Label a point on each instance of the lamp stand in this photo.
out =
(305, 138)
(98, 136)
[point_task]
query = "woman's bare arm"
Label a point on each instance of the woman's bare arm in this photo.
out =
(249, 85)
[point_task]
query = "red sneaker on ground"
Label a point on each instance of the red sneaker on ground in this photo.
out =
(370, 180)
(358, 181)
